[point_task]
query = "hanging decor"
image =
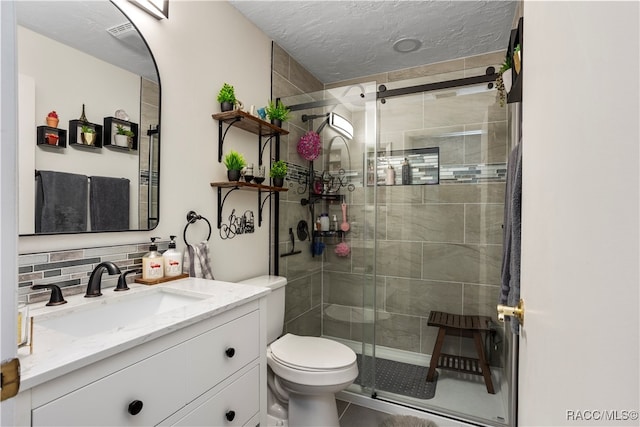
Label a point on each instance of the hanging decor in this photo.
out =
(309, 146)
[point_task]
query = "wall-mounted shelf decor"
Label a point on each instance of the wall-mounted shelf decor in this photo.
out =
(231, 186)
(51, 137)
(249, 123)
(78, 137)
(515, 94)
(111, 141)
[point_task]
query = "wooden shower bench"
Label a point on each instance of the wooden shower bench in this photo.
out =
(465, 326)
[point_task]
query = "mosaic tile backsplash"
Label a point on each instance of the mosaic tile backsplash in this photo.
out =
(70, 269)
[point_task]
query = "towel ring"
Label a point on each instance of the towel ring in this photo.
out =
(191, 218)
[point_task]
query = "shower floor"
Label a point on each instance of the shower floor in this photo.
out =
(457, 394)
(398, 377)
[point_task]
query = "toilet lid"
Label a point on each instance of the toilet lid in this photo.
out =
(310, 353)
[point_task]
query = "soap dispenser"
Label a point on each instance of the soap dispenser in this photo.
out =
(152, 263)
(172, 260)
(391, 176)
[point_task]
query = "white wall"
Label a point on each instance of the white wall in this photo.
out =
(201, 46)
(580, 344)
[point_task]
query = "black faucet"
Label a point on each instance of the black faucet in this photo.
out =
(93, 288)
(56, 294)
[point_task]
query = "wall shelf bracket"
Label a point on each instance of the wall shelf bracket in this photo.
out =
(261, 204)
(221, 201)
(222, 134)
(261, 148)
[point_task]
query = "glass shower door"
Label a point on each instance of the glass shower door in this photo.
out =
(437, 207)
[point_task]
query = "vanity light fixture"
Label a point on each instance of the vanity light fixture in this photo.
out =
(341, 125)
(159, 9)
(335, 122)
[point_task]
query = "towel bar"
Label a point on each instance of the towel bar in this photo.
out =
(192, 217)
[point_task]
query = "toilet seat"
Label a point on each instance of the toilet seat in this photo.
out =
(311, 354)
(308, 362)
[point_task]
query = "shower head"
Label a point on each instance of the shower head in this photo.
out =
(335, 122)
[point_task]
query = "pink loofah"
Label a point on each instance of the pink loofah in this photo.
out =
(309, 146)
(342, 249)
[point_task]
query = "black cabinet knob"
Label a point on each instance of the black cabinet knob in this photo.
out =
(135, 407)
(230, 415)
(230, 351)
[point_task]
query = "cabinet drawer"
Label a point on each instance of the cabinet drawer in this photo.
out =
(234, 405)
(214, 355)
(157, 382)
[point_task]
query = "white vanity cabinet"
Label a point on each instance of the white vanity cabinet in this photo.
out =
(208, 373)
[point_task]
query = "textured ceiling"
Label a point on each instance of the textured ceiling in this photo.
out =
(341, 40)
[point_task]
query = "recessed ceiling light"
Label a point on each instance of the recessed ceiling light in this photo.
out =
(407, 45)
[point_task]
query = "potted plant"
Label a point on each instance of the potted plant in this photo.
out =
(234, 162)
(277, 112)
(123, 136)
(87, 135)
(52, 119)
(504, 80)
(52, 139)
(227, 97)
(278, 172)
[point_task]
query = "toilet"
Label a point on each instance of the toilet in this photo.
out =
(304, 372)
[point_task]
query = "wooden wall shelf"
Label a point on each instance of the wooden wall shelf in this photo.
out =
(253, 124)
(249, 123)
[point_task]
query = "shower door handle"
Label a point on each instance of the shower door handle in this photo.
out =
(517, 312)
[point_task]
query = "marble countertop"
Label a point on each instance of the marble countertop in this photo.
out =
(60, 350)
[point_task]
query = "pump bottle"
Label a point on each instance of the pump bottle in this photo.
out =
(152, 263)
(391, 176)
(172, 260)
(406, 172)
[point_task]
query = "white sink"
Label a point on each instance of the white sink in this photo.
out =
(117, 312)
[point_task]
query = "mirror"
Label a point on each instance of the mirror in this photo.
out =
(85, 59)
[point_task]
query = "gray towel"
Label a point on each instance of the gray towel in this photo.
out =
(61, 202)
(197, 262)
(109, 203)
(510, 283)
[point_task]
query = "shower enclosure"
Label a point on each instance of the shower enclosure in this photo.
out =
(423, 181)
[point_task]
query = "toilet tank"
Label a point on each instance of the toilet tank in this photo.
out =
(275, 303)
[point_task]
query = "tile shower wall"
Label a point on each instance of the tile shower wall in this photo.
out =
(303, 272)
(71, 269)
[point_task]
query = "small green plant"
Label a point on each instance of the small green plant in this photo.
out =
(277, 111)
(502, 92)
(234, 161)
(121, 130)
(505, 65)
(87, 129)
(278, 169)
(227, 94)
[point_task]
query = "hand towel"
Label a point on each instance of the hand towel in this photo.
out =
(510, 277)
(197, 262)
(109, 203)
(61, 202)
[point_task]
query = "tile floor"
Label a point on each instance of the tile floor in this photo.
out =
(352, 415)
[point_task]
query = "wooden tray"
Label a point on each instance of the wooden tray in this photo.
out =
(164, 279)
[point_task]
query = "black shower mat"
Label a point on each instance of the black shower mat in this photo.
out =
(400, 378)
